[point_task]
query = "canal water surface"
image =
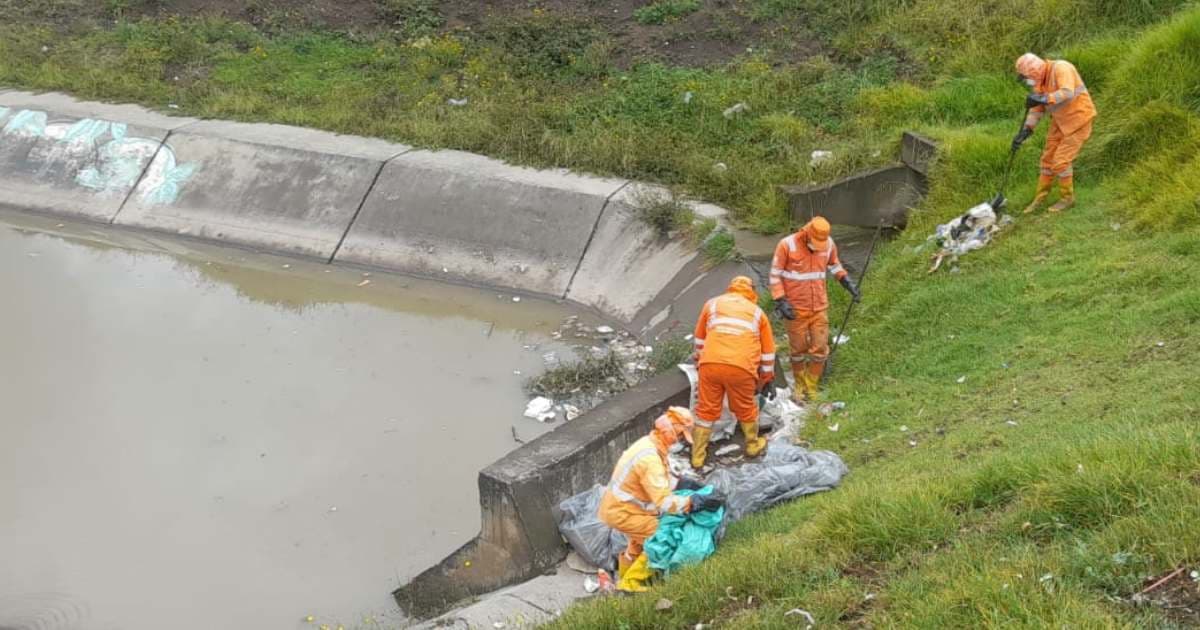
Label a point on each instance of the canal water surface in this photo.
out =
(199, 437)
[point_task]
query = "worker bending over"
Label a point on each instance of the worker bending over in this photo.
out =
(802, 260)
(1059, 90)
(641, 490)
(735, 351)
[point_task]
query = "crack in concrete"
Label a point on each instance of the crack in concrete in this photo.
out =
(592, 235)
(366, 195)
(142, 175)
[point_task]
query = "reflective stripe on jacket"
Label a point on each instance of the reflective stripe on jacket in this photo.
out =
(641, 480)
(798, 273)
(732, 330)
(1066, 96)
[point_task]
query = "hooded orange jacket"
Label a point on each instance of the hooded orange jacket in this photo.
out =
(798, 273)
(1067, 98)
(733, 330)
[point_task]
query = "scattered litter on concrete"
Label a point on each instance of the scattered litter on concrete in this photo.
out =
(604, 330)
(663, 604)
(571, 412)
(516, 298)
(333, 509)
(540, 409)
(971, 231)
(364, 283)
(735, 110)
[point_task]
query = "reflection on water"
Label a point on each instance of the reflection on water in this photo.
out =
(211, 438)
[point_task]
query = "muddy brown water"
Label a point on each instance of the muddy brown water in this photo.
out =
(197, 437)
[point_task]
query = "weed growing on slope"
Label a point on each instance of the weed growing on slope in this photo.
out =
(586, 375)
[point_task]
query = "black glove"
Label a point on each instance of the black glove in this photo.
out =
(1021, 137)
(706, 502)
(849, 284)
(767, 391)
(1034, 99)
(687, 483)
(784, 309)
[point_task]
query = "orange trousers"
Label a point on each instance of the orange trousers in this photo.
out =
(808, 337)
(637, 525)
(718, 380)
(1058, 157)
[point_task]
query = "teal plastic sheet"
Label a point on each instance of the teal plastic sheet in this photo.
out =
(683, 539)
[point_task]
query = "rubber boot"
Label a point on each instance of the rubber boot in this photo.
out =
(1066, 186)
(636, 575)
(623, 563)
(812, 380)
(1043, 190)
(700, 437)
(799, 391)
(755, 445)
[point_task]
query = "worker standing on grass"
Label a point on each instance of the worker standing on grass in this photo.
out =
(1059, 90)
(641, 490)
(735, 352)
(802, 261)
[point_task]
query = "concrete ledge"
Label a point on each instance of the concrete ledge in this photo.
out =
(519, 495)
(865, 199)
(73, 158)
(917, 152)
(280, 188)
(627, 264)
(465, 217)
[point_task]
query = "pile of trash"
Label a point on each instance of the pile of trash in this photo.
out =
(785, 472)
(971, 231)
(629, 358)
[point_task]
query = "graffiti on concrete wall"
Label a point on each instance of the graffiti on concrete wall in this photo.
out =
(106, 158)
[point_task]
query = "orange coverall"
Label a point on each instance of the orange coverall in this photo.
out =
(798, 273)
(639, 492)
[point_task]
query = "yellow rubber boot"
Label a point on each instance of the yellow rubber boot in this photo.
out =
(799, 390)
(636, 575)
(812, 380)
(1066, 186)
(754, 444)
(700, 437)
(1043, 190)
(623, 564)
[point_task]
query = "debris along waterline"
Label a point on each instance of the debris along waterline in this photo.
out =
(234, 423)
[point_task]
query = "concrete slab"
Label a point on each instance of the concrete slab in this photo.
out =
(281, 188)
(525, 605)
(74, 158)
(627, 263)
(469, 218)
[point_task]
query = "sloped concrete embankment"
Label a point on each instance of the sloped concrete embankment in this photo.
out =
(448, 215)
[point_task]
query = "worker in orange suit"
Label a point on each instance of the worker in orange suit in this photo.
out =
(802, 261)
(641, 490)
(735, 352)
(1057, 89)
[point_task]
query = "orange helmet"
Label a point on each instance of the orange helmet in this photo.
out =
(818, 233)
(674, 425)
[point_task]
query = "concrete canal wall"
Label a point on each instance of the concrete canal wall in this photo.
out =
(448, 215)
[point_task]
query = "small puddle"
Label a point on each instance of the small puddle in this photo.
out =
(199, 437)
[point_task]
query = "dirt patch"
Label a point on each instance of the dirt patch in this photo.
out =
(717, 32)
(1176, 594)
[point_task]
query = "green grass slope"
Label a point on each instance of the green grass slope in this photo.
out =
(1064, 471)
